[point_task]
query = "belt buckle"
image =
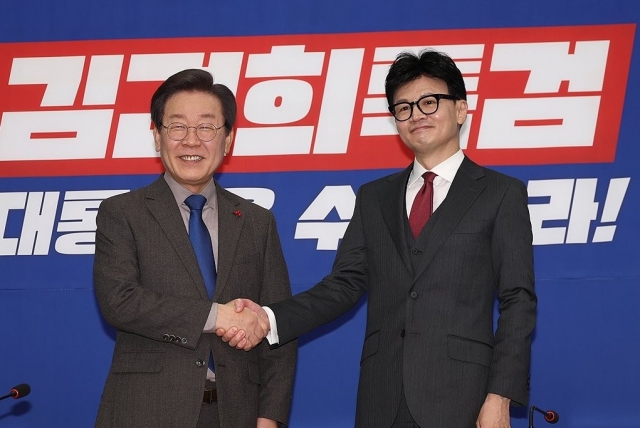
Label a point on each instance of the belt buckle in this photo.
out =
(210, 396)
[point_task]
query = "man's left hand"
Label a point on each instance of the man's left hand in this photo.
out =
(266, 423)
(494, 412)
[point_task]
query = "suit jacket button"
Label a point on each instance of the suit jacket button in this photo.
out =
(172, 338)
(199, 363)
(184, 340)
(402, 333)
(165, 337)
(413, 295)
(414, 251)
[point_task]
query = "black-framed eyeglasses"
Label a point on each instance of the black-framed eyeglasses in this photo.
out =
(178, 131)
(427, 104)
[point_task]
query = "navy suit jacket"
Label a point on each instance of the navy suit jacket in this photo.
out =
(430, 325)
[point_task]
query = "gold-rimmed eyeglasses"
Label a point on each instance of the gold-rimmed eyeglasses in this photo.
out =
(178, 131)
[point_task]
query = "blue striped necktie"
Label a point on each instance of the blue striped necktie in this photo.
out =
(201, 242)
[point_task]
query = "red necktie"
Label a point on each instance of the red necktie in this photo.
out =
(422, 205)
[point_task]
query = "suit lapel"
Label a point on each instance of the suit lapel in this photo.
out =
(392, 197)
(162, 205)
(465, 189)
(230, 223)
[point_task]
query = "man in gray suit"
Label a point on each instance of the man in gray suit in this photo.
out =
(168, 370)
(431, 357)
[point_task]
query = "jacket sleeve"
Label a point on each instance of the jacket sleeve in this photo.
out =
(336, 293)
(512, 255)
(127, 284)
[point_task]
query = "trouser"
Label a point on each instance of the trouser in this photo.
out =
(209, 417)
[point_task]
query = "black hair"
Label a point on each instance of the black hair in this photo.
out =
(193, 80)
(409, 66)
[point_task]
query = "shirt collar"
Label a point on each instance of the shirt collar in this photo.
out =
(446, 169)
(180, 193)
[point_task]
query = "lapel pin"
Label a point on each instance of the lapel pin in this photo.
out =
(237, 213)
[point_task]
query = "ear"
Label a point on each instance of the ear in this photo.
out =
(227, 142)
(461, 111)
(156, 138)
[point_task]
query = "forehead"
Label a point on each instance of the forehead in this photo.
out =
(190, 104)
(423, 85)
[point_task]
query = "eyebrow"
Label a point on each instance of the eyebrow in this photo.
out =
(202, 116)
(404, 100)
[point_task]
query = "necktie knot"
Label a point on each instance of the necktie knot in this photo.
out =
(195, 202)
(429, 176)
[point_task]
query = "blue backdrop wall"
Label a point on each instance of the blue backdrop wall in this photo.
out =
(554, 94)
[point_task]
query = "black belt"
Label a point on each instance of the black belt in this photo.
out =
(210, 396)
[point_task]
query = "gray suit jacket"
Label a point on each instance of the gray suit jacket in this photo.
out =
(430, 329)
(149, 287)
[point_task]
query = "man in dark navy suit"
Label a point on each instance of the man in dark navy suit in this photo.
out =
(431, 357)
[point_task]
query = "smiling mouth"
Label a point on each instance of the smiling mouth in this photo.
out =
(421, 128)
(191, 158)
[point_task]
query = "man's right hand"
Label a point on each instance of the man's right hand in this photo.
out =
(235, 334)
(242, 323)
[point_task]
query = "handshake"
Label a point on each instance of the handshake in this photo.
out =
(242, 323)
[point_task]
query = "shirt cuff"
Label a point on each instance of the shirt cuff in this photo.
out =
(210, 325)
(272, 336)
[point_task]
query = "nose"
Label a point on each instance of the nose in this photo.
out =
(191, 139)
(416, 113)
